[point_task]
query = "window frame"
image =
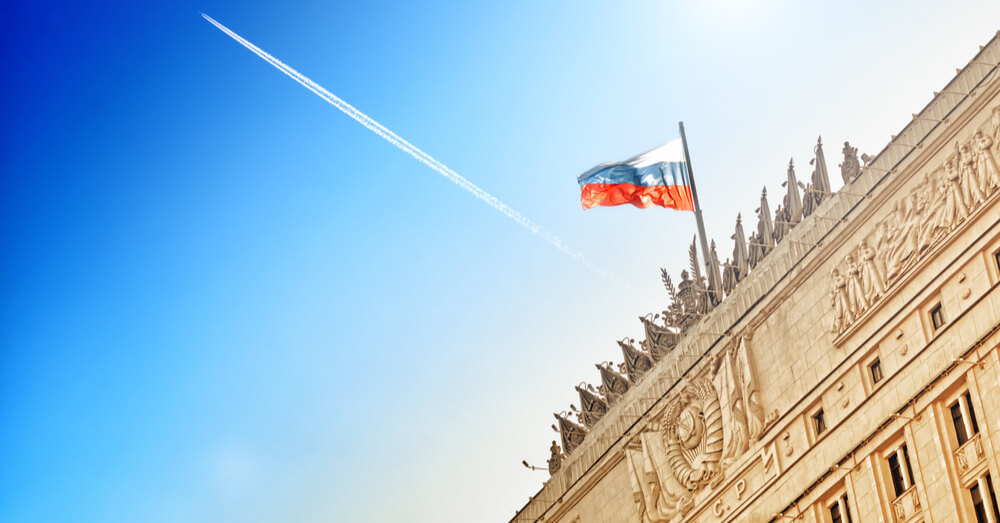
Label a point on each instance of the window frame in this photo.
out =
(835, 503)
(956, 402)
(873, 366)
(817, 420)
(937, 317)
(984, 504)
(905, 479)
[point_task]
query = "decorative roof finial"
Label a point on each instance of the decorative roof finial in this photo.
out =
(555, 458)
(740, 250)
(765, 229)
(850, 169)
(793, 201)
(821, 178)
(714, 277)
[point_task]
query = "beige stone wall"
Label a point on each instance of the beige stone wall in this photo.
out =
(782, 321)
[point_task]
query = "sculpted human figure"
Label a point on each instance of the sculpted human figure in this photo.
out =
(892, 226)
(955, 209)
(989, 173)
(905, 238)
(838, 298)
(918, 202)
(930, 210)
(971, 186)
(871, 275)
(855, 290)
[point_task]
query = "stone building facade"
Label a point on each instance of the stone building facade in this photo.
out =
(843, 367)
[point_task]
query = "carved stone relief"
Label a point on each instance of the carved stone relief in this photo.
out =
(943, 199)
(555, 458)
(613, 384)
(702, 432)
(572, 433)
(851, 168)
(592, 406)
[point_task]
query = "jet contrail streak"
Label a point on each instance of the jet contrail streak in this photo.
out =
(407, 147)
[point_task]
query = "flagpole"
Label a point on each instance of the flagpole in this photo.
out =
(697, 211)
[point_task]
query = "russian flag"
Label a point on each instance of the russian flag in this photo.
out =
(657, 177)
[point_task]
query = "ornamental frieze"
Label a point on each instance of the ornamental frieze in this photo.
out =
(943, 200)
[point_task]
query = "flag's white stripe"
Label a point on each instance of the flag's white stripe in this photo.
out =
(671, 152)
(406, 146)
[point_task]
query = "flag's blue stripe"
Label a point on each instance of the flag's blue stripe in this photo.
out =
(663, 173)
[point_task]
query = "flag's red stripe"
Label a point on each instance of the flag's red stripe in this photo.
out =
(670, 196)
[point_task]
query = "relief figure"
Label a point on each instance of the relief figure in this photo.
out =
(989, 173)
(872, 280)
(855, 291)
(955, 209)
(905, 238)
(971, 188)
(937, 205)
(838, 298)
(930, 208)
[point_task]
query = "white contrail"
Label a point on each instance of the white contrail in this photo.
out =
(407, 147)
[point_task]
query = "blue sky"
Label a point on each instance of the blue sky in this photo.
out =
(223, 300)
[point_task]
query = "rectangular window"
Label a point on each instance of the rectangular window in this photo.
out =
(937, 317)
(996, 258)
(980, 505)
(835, 513)
(964, 419)
(819, 423)
(840, 511)
(897, 475)
(977, 504)
(900, 471)
(875, 370)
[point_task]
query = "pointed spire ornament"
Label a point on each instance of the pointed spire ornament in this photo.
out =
(714, 278)
(820, 178)
(793, 201)
(765, 229)
(819, 183)
(740, 250)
